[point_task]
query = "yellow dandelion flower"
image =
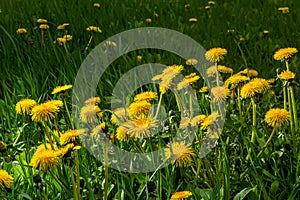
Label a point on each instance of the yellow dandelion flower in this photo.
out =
(21, 30)
(191, 61)
(230, 31)
(119, 115)
(211, 3)
(250, 72)
(90, 113)
(146, 96)
(188, 80)
(266, 32)
(94, 29)
(255, 86)
(187, 5)
(46, 146)
(98, 130)
(71, 136)
(197, 120)
(218, 93)
(61, 41)
(110, 43)
(284, 54)
(44, 159)
(234, 80)
(277, 116)
(5, 179)
(193, 20)
(121, 133)
(181, 195)
(68, 37)
(148, 20)
(44, 26)
(167, 76)
(184, 122)
(180, 153)
(286, 75)
(215, 54)
(242, 39)
(209, 120)
(139, 128)
(41, 21)
(57, 103)
(284, 9)
(211, 71)
(207, 7)
(156, 14)
(204, 89)
(59, 89)
(65, 149)
(92, 101)
(271, 81)
(96, 5)
(139, 58)
(44, 112)
(60, 27)
(24, 106)
(138, 108)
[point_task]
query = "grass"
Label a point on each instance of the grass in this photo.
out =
(32, 65)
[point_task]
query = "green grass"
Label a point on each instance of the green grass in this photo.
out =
(30, 67)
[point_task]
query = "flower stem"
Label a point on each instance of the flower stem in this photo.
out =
(70, 118)
(217, 74)
(254, 121)
(268, 141)
(284, 96)
(287, 65)
(291, 115)
(158, 106)
(105, 172)
(294, 107)
(73, 184)
(77, 173)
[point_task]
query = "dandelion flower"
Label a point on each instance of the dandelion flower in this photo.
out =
(148, 20)
(121, 133)
(156, 14)
(215, 54)
(41, 21)
(146, 96)
(21, 31)
(44, 159)
(284, 54)
(204, 89)
(207, 7)
(44, 112)
(188, 80)
(90, 113)
(92, 101)
(139, 58)
(68, 37)
(65, 149)
(276, 117)
(235, 80)
(193, 20)
(184, 122)
(250, 72)
(211, 3)
(211, 71)
(96, 5)
(118, 116)
(59, 89)
(218, 93)
(230, 31)
(24, 106)
(2, 146)
(61, 41)
(98, 130)
(181, 195)
(187, 5)
(44, 26)
(255, 86)
(138, 108)
(266, 32)
(286, 75)
(191, 61)
(140, 128)
(198, 120)
(94, 29)
(209, 120)
(71, 136)
(284, 9)
(180, 153)
(5, 179)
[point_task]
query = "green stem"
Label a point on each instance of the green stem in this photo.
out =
(284, 96)
(291, 115)
(239, 102)
(73, 184)
(70, 118)
(287, 65)
(294, 107)
(77, 172)
(254, 120)
(105, 173)
(217, 74)
(158, 106)
(48, 135)
(58, 181)
(268, 141)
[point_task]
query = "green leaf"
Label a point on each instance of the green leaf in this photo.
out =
(206, 194)
(274, 187)
(242, 194)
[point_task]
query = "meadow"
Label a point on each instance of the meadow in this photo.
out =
(253, 47)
